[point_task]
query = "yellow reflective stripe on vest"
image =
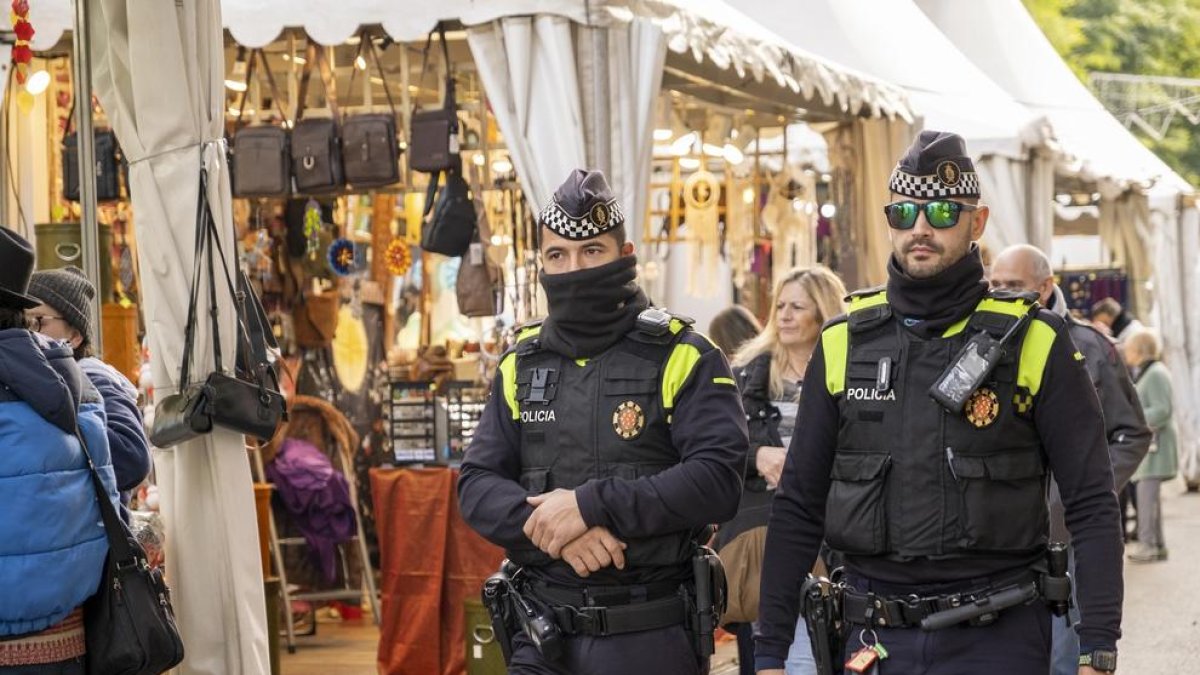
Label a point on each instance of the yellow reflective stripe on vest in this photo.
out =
(858, 302)
(508, 377)
(1035, 352)
(1017, 308)
(683, 359)
(835, 343)
(525, 333)
(676, 325)
(957, 327)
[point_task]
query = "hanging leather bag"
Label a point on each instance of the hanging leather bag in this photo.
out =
(480, 283)
(129, 624)
(316, 142)
(247, 402)
(452, 224)
(181, 416)
(434, 138)
(109, 163)
(315, 318)
(370, 144)
(262, 162)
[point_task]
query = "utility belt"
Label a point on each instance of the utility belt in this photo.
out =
(832, 608)
(976, 607)
(612, 610)
(548, 614)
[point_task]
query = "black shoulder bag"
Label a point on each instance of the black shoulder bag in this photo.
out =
(129, 623)
(370, 146)
(110, 163)
(317, 141)
(434, 132)
(248, 401)
(262, 159)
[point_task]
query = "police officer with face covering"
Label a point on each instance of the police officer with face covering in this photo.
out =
(925, 456)
(613, 437)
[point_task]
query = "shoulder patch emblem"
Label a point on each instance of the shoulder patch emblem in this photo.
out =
(983, 408)
(628, 420)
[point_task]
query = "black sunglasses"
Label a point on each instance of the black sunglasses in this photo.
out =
(940, 213)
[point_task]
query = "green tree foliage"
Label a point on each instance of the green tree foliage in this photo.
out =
(1143, 37)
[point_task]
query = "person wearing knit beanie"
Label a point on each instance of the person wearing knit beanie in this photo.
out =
(66, 309)
(66, 314)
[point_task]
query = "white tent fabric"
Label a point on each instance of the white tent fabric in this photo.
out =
(527, 66)
(1002, 39)
(710, 29)
(158, 69)
(538, 91)
(894, 41)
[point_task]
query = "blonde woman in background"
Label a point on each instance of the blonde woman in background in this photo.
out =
(770, 372)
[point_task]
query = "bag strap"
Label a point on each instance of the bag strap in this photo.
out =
(115, 531)
(189, 341)
(316, 58)
(250, 62)
(243, 332)
(255, 56)
(365, 41)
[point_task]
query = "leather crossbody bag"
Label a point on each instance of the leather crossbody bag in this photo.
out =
(262, 161)
(370, 144)
(317, 141)
(248, 401)
(434, 137)
(129, 623)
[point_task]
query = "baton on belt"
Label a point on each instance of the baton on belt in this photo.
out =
(981, 607)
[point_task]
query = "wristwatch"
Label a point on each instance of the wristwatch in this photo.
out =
(1103, 660)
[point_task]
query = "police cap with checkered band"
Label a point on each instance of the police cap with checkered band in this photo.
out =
(583, 207)
(936, 166)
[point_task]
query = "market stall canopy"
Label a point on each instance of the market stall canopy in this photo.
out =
(892, 40)
(1002, 39)
(712, 32)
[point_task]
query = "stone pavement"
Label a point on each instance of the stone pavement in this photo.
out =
(1162, 600)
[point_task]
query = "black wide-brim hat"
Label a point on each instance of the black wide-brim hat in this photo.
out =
(16, 266)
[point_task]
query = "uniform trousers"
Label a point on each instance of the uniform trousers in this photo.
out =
(664, 651)
(1018, 642)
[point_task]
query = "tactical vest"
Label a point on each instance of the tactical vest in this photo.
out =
(912, 479)
(608, 416)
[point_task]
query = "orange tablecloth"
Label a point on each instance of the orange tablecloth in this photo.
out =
(430, 562)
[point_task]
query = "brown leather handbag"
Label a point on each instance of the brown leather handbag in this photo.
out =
(262, 162)
(315, 319)
(370, 144)
(317, 142)
(434, 137)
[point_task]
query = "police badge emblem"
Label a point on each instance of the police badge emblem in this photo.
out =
(628, 420)
(600, 215)
(949, 173)
(983, 408)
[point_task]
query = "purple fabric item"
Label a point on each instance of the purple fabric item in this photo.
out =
(318, 499)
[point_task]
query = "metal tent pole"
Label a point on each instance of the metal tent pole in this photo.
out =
(82, 67)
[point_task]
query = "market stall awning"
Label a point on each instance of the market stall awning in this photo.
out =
(1002, 39)
(745, 54)
(892, 40)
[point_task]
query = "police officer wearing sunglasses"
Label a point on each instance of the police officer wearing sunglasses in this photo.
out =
(925, 460)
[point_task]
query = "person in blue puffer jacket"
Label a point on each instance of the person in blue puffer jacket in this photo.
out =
(52, 540)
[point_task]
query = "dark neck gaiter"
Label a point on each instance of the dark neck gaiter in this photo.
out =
(591, 309)
(931, 305)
